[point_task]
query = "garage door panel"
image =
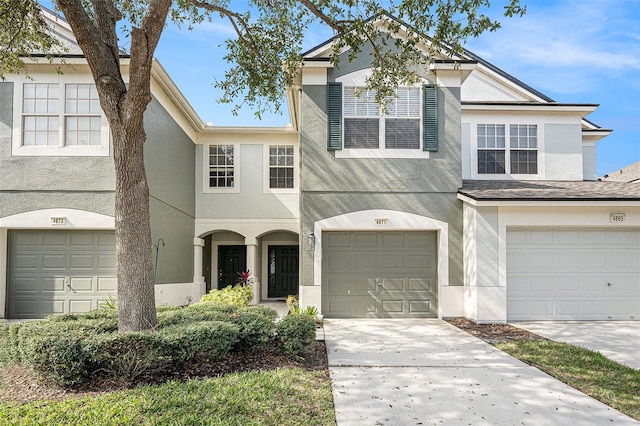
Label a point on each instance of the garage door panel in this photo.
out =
(52, 307)
(107, 285)
(567, 277)
(26, 308)
(25, 285)
(393, 261)
(106, 240)
(51, 284)
(81, 261)
(79, 284)
(422, 284)
(54, 261)
(403, 263)
(78, 306)
(81, 240)
(393, 284)
(54, 239)
(392, 240)
(420, 307)
(25, 262)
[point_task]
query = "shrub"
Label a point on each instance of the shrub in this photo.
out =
(255, 329)
(265, 311)
(6, 344)
(126, 356)
(211, 339)
(237, 296)
(54, 353)
(296, 333)
(195, 313)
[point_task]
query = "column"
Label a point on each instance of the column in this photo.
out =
(252, 246)
(199, 285)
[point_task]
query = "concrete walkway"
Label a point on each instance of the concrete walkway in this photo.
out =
(617, 340)
(419, 372)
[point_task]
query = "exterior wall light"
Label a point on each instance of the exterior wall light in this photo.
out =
(312, 241)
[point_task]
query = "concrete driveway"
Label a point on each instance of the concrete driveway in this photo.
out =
(418, 372)
(617, 340)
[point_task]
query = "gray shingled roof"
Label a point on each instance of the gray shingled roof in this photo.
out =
(517, 190)
(631, 173)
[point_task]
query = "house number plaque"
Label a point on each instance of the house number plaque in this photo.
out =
(58, 220)
(618, 217)
(381, 221)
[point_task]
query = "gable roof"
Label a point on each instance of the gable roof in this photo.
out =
(322, 51)
(515, 190)
(630, 173)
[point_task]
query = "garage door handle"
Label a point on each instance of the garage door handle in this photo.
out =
(69, 285)
(609, 284)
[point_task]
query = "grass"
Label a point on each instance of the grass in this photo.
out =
(277, 397)
(591, 373)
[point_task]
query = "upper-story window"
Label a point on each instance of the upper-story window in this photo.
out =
(493, 151)
(281, 166)
(365, 126)
(60, 119)
(358, 124)
(221, 166)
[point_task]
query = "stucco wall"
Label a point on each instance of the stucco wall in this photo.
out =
(20, 173)
(563, 152)
(253, 199)
(169, 159)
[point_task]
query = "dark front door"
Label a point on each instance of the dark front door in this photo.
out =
(231, 260)
(283, 271)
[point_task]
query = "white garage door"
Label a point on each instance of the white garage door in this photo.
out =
(379, 274)
(57, 272)
(573, 274)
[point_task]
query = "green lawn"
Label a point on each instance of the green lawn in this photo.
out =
(591, 373)
(278, 397)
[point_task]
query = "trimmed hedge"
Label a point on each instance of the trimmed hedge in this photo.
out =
(296, 333)
(69, 349)
(206, 339)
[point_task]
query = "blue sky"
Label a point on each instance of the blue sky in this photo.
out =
(582, 51)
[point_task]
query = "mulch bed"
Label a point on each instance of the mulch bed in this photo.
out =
(493, 333)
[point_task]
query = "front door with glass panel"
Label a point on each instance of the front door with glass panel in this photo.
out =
(283, 271)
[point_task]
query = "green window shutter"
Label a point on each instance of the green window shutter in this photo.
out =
(429, 117)
(334, 116)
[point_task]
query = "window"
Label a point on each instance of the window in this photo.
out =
(281, 166)
(364, 123)
(522, 150)
(491, 149)
(523, 141)
(355, 122)
(60, 119)
(221, 166)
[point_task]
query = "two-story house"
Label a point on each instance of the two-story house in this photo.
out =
(471, 195)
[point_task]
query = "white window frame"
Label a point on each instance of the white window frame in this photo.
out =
(507, 150)
(236, 169)
(266, 172)
(61, 149)
(358, 79)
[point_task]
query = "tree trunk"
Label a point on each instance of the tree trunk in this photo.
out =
(136, 296)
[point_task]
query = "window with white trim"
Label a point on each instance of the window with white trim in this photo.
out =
(366, 127)
(281, 166)
(60, 119)
(493, 151)
(221, 166)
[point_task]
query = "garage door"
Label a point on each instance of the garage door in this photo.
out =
(573, 274)
(379, 274)
(55, 272)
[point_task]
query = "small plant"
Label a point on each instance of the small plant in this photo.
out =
(244, 278)
(292, 303)
(236, 296)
